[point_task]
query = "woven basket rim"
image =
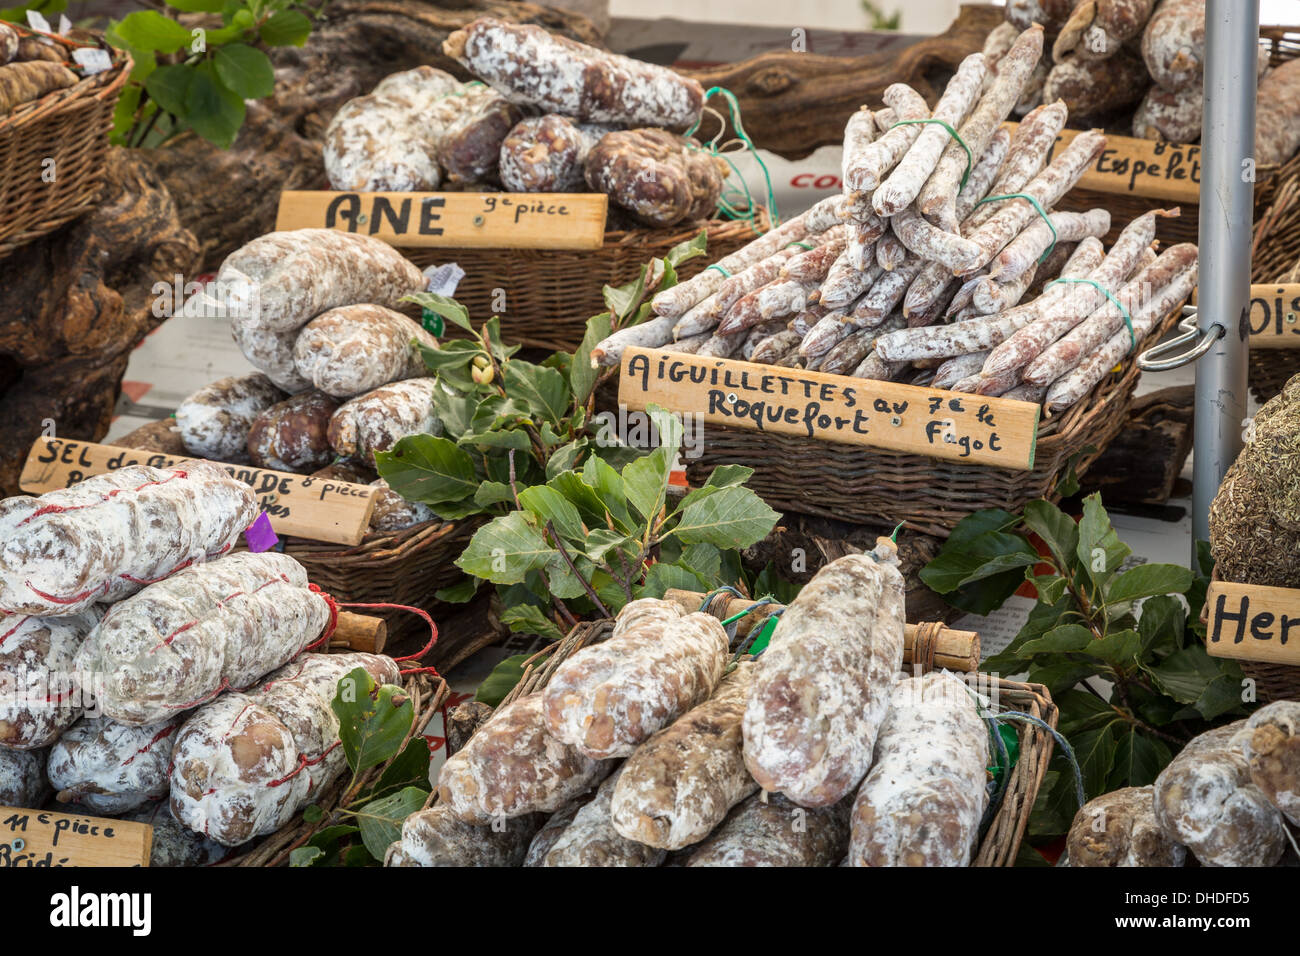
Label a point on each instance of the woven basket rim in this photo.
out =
(375, 542)
(637, 235)
(96, 87)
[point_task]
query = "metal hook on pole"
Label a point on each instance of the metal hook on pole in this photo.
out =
(1151, 361)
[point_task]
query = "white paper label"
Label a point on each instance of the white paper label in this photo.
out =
(92, 60)
(443, 280)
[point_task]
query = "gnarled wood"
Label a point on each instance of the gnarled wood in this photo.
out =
(792, 103)
(75, 303)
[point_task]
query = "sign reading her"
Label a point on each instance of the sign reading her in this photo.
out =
(1253, 622)
(925, 421)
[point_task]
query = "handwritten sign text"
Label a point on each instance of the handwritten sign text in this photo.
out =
(467, 220)
(924, 421)
(299, 505)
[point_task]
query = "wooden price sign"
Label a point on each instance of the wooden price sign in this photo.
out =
(1140, 167)
(41, 839)
(1275, 316)
(1253, 623)
(924, 421)
(298, 505)
(463, 220)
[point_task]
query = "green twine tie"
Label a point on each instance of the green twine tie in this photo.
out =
(1038, 208)
(724, 202)
(970, 159)
(1128, 319)
(724, 272)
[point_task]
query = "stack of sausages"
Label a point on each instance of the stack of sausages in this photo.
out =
(546, 114)
(1108, 55)
(936, 267)
(644, 750)
(1227, 798)
(140, 661)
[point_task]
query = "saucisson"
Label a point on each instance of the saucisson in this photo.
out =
(286, 278)
(111, 768)
(922, 802)
(436, 837)
(39, 694)
(511, 767)
(107, 536)
(823, 684)
(183, 640)
(1205, 800)
(214, 421)
(244, 764)
(607, 699)
(557, 75)
(769, 830)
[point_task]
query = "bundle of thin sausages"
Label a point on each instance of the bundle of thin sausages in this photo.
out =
(943, 261)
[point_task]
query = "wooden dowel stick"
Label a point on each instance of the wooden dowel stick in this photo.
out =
(360, 632)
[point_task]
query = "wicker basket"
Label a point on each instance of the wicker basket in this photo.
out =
(551, 293)
(399, 567)
(930, 495)
(429, 695)
(1275, 257)
(71, 128)
(1001, 841)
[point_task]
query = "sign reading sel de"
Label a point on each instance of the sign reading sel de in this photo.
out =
(1253, 622)
(298, 505)
(41, 839)
(1140, 167)
(463, 220)
(924, 421)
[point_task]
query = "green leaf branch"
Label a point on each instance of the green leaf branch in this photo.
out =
(377, 728)
(197, 75)
(1118, 647)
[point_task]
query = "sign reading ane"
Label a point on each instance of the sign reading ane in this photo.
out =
(465, 220)
(924, 421)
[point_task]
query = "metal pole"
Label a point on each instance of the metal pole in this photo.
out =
(1227, 199)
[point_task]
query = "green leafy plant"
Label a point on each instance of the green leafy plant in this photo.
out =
(1121, 650)
(198, 78)
(509, 424)
(877, 19)
(580, 522)
(589, 541)
(47, 8)
(376, 727)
